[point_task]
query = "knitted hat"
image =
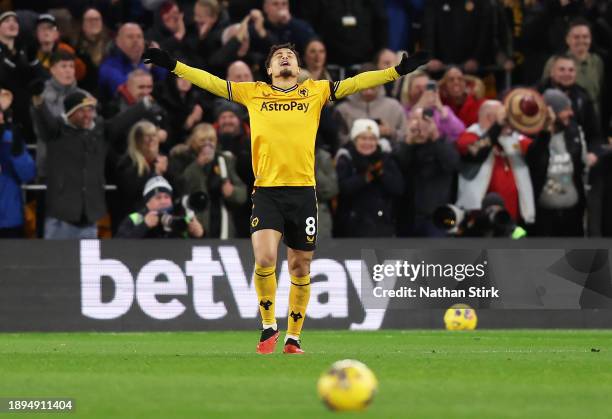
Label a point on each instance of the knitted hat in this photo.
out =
(7, 14)
(364, 125)
(227, 106)
(154, 186)
(557, 100)
(77, 100)
(46, 18)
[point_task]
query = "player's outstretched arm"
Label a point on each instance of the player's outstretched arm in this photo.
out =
(370, 79)
(200, 78)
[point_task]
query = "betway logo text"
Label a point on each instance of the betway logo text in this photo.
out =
(157, 297)
(293, 105)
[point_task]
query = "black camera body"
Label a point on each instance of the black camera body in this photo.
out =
(183, 212)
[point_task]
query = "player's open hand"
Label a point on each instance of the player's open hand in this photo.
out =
(409, 64)
(160, 58)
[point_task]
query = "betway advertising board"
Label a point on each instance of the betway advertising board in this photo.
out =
(120, 285)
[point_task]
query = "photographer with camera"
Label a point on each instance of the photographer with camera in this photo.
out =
(492, 220)
(428, 161)
(157, 220)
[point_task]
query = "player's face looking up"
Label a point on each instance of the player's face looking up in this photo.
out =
(366, 143)
(284, 64)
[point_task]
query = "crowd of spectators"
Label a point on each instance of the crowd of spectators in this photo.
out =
(93, 140)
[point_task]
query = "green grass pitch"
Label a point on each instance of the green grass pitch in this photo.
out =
(422, 374)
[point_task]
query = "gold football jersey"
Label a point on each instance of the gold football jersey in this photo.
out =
(284, 122)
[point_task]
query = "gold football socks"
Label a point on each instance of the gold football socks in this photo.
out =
(265, 285)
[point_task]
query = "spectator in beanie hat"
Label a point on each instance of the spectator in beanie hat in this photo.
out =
(77, 144)
(556, 161)
(369, 180)
(235, 137)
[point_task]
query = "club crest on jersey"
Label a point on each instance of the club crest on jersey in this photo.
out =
(303, 92)
(291, 106)
(310, 239)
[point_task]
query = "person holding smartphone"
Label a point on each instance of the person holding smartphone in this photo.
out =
(422, 92)
(428, 161)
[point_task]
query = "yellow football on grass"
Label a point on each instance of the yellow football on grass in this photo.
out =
(347, 385)
(460, 317)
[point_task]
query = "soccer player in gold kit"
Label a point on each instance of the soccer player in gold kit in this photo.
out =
(284, 119)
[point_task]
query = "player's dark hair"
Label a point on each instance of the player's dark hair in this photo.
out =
(61, 55)
(275, 48)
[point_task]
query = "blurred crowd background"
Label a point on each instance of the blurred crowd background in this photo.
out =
(512, 114)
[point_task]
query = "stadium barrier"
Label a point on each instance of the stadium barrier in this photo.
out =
(124, 285)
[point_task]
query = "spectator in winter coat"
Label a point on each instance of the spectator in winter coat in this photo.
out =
(234, 136)
(77, 143)
(186, 107)
(214, 173)
(18, 68)
(428, 162)
(563, 77)
(16, 168)
(556, 162)
(369, 181)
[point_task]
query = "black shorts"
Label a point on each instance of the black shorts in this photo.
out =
(291, 210)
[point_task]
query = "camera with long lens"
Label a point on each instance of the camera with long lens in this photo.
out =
(183, 211)
(490, 221)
